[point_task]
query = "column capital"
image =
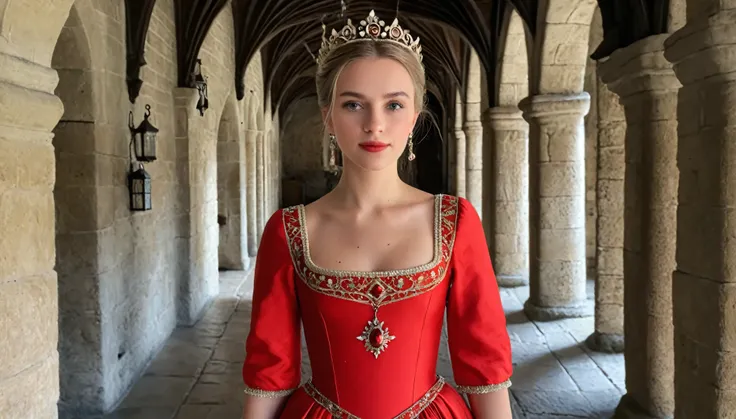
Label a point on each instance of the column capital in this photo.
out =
(555, 106)
(472, 125)
(703, 48)
(640, 67)
(26, 85)
(505, 118)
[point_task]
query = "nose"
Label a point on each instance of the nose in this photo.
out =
(374, 121)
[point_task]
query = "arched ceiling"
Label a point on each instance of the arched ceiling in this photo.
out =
(274, 25)
(290, 55)
(286, 31)
(627, 21)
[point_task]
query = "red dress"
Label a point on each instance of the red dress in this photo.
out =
(373, 337)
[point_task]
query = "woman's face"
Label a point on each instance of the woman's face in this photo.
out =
(373, 113)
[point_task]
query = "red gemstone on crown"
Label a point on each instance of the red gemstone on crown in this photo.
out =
(377, 291)
(376, 338)
(374, 29)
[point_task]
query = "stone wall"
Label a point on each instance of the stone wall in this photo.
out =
(127, 279)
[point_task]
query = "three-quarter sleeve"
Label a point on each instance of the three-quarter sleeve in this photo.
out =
(480, 349)
(272, 366)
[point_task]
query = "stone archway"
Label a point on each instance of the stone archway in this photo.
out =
(509, 165)
(77, 223)
(555, 110)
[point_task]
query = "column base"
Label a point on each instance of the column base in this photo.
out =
(512, 281)
(628, 408)
(610, 343)
(544, 314)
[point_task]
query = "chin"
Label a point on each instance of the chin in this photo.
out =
(373, 163)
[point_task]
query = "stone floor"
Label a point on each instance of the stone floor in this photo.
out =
(197, 374)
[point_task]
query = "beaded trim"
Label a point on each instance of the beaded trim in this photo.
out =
(356, 285)
(271, 394)
(490, 388)
(411, 413)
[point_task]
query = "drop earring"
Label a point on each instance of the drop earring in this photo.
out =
(333, 151)
(411, 148)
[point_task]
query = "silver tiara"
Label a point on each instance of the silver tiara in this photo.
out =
(370, 29)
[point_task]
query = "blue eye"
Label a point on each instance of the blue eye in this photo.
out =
(395, 106)
(351, 106)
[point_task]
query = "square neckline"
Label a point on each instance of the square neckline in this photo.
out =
(436, 257)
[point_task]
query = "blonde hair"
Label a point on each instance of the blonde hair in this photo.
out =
(340, 57)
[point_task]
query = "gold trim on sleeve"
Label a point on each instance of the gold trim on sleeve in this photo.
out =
(490, 388)
(271, 394)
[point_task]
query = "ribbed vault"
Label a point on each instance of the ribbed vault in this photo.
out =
(288, 32)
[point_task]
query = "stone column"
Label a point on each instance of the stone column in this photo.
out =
(510, 179)
(609, 282)
(474, 160)
(473, 129)
(29, 310)
(199, 280)
(460, 151)
(704, 282)
(260, 186)
(266, 151)
(251, 175)
(557, 271)
(644, 80)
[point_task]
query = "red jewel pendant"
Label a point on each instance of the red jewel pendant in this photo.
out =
(375, 337)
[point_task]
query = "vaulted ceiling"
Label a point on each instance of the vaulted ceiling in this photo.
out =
(288, 34)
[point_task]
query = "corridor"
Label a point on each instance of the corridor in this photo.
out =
(197, 373)
(144, 145)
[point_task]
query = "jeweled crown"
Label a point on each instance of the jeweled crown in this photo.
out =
(370, 29)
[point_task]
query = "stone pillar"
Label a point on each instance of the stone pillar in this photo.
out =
(29, 378)
(198, 282)
(644, 80)
(260, 186)
(474, 160)
(251, 175)
(557, 271)
(231, 190)
(473, 129)
(704, 282)
(510, 179)
(461, 152)
(266, 173)
(609, 282)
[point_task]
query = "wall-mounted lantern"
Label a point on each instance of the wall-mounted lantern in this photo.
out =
(139, 185)
(143, 137)
(200, 82)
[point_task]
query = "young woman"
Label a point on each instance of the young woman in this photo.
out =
(371, 268)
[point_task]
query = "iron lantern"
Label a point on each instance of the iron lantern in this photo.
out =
(144, 138)
(139, 184)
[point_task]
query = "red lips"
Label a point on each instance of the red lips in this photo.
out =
(373, 146)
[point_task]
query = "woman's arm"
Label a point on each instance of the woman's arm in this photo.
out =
(494, 405)
(480, 348)
(272, 366)
(255, 407)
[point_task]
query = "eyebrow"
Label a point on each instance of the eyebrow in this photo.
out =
(360, 96)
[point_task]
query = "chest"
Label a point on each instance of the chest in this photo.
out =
(380, 246)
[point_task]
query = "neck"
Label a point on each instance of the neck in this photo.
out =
(368, 189)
